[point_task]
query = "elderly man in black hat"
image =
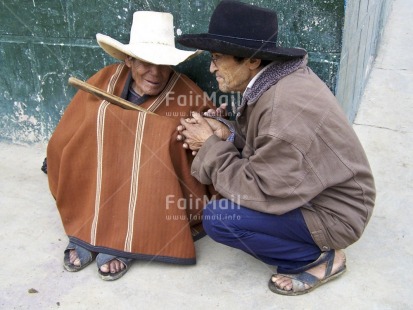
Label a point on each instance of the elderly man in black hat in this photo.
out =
(296, 182)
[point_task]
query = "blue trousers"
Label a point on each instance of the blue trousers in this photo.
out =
(280, 240)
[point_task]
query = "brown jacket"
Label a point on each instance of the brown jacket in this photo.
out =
(298, 150)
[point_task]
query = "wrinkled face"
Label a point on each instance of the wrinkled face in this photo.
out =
(231, 74)
(149, 79)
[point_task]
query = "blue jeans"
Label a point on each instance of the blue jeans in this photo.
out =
(280, 240)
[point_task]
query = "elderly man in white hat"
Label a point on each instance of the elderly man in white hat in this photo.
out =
(122, 185)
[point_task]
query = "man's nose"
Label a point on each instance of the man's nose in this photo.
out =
(212, 67)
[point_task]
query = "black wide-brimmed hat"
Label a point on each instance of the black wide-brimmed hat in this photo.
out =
(243, 30)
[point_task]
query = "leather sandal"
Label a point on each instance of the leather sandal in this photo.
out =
(103, 259)
(303, 279)
(85, 257)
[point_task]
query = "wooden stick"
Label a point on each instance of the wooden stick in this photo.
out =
(105, 95)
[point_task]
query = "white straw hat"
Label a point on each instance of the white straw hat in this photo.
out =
(151, 40)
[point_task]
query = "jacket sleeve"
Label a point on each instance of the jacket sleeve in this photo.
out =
(271, 180)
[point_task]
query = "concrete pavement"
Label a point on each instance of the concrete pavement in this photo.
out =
(379, 265)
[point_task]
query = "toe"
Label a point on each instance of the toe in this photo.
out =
(104, 268)
(116, 266)
(73, 258)
(76, 262)
(282, 282)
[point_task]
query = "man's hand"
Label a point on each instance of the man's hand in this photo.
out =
(220, 129)
(195, 131)
(221, 111)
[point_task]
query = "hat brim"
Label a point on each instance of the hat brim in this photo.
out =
(157, 54)
(208, 42)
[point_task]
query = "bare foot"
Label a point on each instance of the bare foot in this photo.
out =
(112, 266)
(285, 283)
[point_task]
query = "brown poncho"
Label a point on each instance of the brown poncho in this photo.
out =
(121, 181)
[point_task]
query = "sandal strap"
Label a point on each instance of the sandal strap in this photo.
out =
(330, 261)
(300, 280)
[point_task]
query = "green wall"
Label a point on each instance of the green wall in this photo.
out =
(43, 43)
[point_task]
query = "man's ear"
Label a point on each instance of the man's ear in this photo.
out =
(128, 61)
(254, 63)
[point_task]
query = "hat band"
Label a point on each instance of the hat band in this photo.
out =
(245, 39)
